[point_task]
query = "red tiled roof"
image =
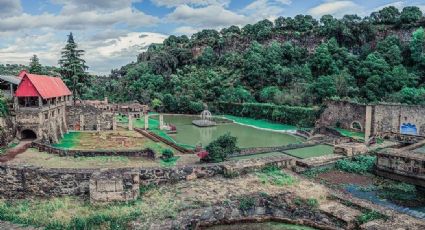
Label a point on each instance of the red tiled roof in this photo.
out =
(33, 85)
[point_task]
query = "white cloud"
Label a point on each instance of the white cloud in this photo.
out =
(10, 7)
(187, 30)
(175, 3)
(337, 8)
(211, 16)
(264, 9)
(80, 20)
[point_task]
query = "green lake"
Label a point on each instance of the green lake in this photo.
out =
(189, 134)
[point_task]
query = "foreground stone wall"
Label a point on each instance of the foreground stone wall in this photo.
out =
(25, 181)
(87, 117)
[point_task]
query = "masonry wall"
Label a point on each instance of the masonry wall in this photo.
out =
(22, 181)
(342, 113)
(87, 117)
(389, 118)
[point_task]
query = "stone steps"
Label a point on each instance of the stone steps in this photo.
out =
(346, 214)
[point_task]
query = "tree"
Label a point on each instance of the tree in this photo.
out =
(410, 14)
(35, 66)
(388, 15)
(221, 148)
(73, 67)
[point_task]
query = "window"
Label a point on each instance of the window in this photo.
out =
(46, 116)
(53, 113)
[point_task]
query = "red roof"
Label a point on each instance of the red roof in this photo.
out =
(33, 85)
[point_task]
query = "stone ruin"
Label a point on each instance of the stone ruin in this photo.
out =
(112, 185)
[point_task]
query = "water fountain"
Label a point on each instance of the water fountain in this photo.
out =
(205, 121)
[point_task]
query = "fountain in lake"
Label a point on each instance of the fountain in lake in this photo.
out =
(205, 121)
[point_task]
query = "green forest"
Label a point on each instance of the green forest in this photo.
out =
(298, 61)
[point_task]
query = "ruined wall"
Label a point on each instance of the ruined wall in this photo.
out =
(7, 130)
(87, 117)
(27, 181)
(342, 113)
(390, 118)
(47, 122)
(406, 166)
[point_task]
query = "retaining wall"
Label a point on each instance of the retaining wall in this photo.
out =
(147, 153)
(18, 181)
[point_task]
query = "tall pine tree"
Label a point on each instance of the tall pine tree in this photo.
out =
(73, 67)
(35, 66)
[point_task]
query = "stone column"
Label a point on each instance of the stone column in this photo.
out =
(368, 123)
(146, 122)
(98, 124)
(161, 121)
(40, 102)
(114, 123)
(130, 122)
(81, 122)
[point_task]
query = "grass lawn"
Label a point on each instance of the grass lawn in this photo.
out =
(313, 151)
(349, 133)
(107, 140)
(260, 123)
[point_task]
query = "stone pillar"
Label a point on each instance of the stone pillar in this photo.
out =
(130, 122)
(98, 124)
(161, 121)
(114, 123)
(368, 123)
(15, 103)
(40, 102)
(81, 122)
(146, 122)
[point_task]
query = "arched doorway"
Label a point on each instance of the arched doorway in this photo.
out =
(28, 134)
(356, 126)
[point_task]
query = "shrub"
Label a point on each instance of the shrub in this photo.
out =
(369, 216)
(312, 203)
(246, 203)
(275, 176)
(167, 154)
(293, 115)
(219, 149)
(360, 164)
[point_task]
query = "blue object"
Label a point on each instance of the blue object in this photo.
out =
(407, 128)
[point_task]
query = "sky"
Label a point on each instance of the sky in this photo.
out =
(113, 32)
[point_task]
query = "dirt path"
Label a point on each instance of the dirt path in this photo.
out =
(12, 152)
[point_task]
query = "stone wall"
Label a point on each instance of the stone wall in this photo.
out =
(404, 166)
(22, 181)
(342, 114)
(7, 130)
(26, 181)
(389, 118)
(147, 153)
(87, 117)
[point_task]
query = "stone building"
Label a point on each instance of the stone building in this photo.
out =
(39, 108)
(375, 119)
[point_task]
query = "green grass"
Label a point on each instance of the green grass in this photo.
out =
(4, 149)
(352, 134)
(169, 162)
(275, 176)
(69, 140)
(73, 213)
(260, 123)
(368, 216)
(313, 151)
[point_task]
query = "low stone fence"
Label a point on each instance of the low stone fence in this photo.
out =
(153, 136)
(257, 150)
(18, 181)
(147, 153)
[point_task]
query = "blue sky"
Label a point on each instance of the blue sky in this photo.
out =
(113, 32)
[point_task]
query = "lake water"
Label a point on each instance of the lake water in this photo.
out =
(189, 134)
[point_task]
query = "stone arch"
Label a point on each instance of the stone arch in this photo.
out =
(355, 125)
(28, 134)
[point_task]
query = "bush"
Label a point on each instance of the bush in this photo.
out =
(369, 216)
(360, 164)
(293, 115)
(275, 176)
(246, 203)
(219, 149)
(167, 154)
